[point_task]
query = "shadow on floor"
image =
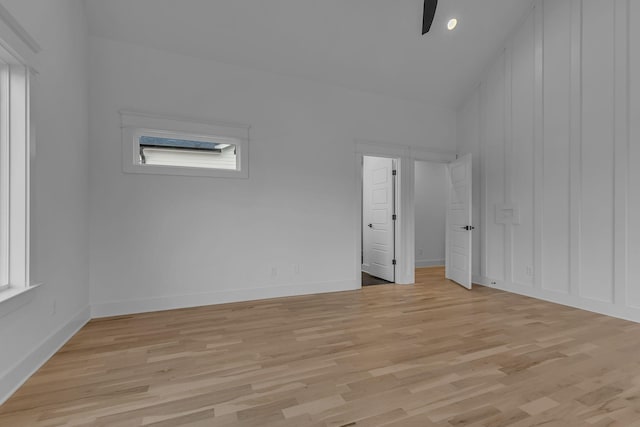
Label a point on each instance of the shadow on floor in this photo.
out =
(368, 280)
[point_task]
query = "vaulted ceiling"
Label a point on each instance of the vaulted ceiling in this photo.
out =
(371, 45)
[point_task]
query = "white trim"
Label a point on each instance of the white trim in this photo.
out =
(575, 301)
(507, 143)
(621, 152)
(16, 140)
(19, 194)
(380, 149)
(15, 376)
(575, 144)
(19, 175)
(480, 280)
(429, 263)
(484, 221)
(5, 167)
(7, 20)
(144, 305)
(538, 144)
(13, 298)
(135, 123)
(17, 41)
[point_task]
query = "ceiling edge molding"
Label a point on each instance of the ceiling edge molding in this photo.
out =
(12, 23)
(15, 39)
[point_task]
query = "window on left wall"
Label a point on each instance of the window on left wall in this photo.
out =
(163, 145)
(15, 158)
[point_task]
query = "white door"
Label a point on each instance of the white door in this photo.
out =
(377, 218)
(459, 228)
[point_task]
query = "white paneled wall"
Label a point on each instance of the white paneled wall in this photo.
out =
(520, 76)
(556, 124)
(633, 160)
(492, 158)
(597, 155)
(556, 146)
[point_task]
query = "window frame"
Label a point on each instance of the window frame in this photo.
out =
(18, 76)
(16, 154)
(135, 124)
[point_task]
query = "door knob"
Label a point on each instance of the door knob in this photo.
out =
(370, 225)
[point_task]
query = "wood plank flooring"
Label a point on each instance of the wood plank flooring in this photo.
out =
(432, 354)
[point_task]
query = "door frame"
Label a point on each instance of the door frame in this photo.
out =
(404, 237)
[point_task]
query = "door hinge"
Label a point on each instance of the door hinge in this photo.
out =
(394, 217)
(393, 262)
(394, 173)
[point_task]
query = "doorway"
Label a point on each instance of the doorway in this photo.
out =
(458, 244)
(431, 186)
(379, 192)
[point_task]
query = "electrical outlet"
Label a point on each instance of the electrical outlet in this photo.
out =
(420, 252)
(297, 269)
(53, 308)
(274, 272)
(529, 271)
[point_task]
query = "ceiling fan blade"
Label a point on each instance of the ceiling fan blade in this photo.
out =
(429, 13)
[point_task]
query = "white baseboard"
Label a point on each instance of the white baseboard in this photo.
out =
(575, 301)
(479, 280)
(429, 263)
(117, 308)
(15, 376)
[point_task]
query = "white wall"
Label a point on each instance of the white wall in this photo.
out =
(60, 244)
(430, 213)
(167, 241)
(555, 123)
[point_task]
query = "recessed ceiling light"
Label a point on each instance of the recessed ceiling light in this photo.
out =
(452, 24)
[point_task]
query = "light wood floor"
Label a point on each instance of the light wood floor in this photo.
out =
(432, 354)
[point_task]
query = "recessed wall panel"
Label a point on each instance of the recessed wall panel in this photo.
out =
(597, 151)
(522, 140)
(493, 129)
(556, 146)
(633, 290)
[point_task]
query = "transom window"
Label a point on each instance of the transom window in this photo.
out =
(177, 147)
(187, 153)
